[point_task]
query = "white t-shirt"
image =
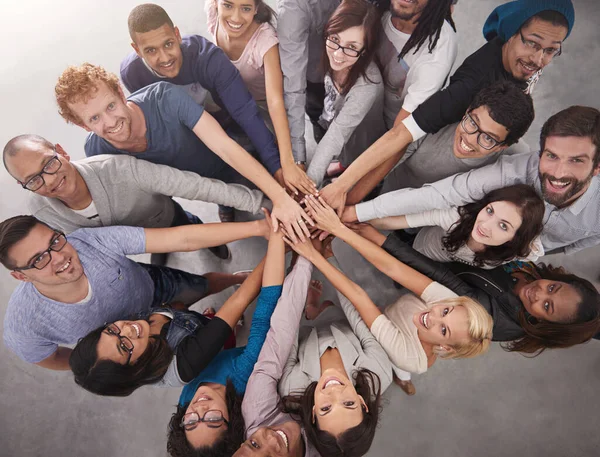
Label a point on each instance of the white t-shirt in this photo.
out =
(90, 212)
(437, 223)
(414, 78)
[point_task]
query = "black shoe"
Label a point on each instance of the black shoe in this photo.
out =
(222, 252)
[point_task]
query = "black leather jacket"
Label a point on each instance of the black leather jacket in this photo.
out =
(491, 288)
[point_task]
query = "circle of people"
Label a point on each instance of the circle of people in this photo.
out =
(469, 208)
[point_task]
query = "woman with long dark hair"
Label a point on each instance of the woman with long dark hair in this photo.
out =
(244, 30)
(353, 108)
(503, 226)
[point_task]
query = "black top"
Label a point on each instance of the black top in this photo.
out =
(449, 105)
(491, 288)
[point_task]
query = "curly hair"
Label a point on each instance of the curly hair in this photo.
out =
(79, 84)
(105, 377)
(542, 335)
(531, 208)
(225, 446)
(355, 441)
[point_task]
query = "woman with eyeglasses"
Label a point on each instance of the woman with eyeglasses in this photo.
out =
(501, 227)
(166, 347)
(244, 30)
(208, 419)
(353, 108)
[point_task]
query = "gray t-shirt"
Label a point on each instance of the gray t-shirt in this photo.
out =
(35, 325)
(170, 117)
(432, 158)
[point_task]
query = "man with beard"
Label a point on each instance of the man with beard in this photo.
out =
(524, 37)
(417, 50)
(563, 174)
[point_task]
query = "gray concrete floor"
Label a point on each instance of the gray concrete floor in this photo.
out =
(498, 405)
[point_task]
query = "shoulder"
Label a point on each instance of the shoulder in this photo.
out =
(371, 80)
(490, 53)
(94, 145)
(36, 203)
(105, 163)
(132, 65)
(196, 47)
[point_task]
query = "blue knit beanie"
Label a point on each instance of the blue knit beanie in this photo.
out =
(508, 18)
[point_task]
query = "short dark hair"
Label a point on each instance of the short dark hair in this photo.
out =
(12, 231)
(225, 446)
(355, 13)
(553, 17)
(14, 145)
(542, 335)
(105, 377)
(146, 17)
(355, 441)
(532, 209)
(579, 121)
(509, 106)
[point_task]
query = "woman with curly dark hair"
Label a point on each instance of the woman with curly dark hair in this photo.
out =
(503, 226)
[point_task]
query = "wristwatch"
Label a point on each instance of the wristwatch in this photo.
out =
(300, 162)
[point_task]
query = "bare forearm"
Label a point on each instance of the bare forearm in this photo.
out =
(384, 262)
(352, 291)
(234, 307)
(193, 237)
(275, 262)
(282, 129)
(58, 361)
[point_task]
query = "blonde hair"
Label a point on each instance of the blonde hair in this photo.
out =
(78, 84)
(480, 329)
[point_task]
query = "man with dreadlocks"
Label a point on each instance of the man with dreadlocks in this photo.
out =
(417, 50)
(524, 37)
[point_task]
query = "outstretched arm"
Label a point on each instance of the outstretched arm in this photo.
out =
(327, 220)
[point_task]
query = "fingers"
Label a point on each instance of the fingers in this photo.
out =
(291, 187)
(274, 222)
(298, 229)
(305, 216)
(291, 231)
(323, 235)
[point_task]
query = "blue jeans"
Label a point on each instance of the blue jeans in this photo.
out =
(172, 285)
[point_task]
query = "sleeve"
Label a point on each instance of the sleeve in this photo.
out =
(94, 146)
(443, 218)
(397, 343)
(436, 292)
(261, 398)
(165, 180)
(45, 213)
(448, 105)
(29, 349)
(288, 377)
(217, 74)
(120, 239)
(293, 27)
(456, 190)
(261, 321)
(265, 40)
(431, 70)
(581, 244)
(357, 104)
(436, 271)
(195, 352)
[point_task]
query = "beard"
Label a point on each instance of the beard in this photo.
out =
(407, 14)
(559, 200)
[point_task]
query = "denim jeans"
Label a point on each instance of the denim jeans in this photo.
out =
(183, 217)
(172, 285)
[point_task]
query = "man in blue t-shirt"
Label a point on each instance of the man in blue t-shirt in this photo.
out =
(72, 286)
(162, 124)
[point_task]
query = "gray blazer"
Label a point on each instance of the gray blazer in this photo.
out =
(357, 345)
(130, 191)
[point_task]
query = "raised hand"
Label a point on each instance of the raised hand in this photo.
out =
(323, 214)
(293, 218)
(297, 181)
(335, 197)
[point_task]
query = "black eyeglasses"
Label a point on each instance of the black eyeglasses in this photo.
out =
(213, 418)
(535, 47)
(483, 139)
(124, 343)
(348, 51)
(37, 181)
(58, 242)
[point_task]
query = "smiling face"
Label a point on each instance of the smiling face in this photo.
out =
(65, 266)
(352, 38)
(207, 397)
(407, 9)
(566, 168)
(338, 406)
(552, 301)
(109, 346)
(236, 16)
(443, 325)
(466, 145)
(106, 114)
(32, 158)
(521, 59)
(160, 48)
(497, 223)
(283, 440)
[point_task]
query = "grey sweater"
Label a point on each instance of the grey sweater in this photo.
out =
(130, 191)
(357, 124)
